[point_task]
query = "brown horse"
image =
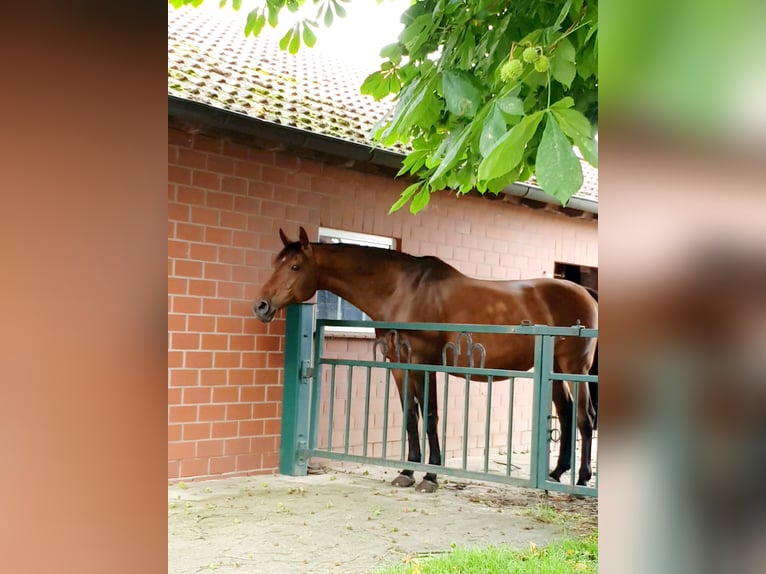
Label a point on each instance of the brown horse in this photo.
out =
(396, 287)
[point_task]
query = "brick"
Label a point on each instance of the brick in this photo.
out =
(178, 249)
(213, 377)
(242, 342)
(233, 220)
(203, 252)
(226, 359)
(176, 322)
(241, 377)
(195, 467)
(178, 212)
(205, 216)
(196, 431)
(264, 410)
(190, 195)
(185, 341)
(266, 377)
(202, 288)
(266, 343)
(174, 433)
(234, 255)
(248, 462)
(225, 394)
(248, 170)
(212, 413)
(182, 414)
(178, 174)
(215, 342)
(222, 464)
(207, 143)
(237, 446)
(238, 412)
(224, 201)
(274, 210)
(218, 236)
(235, 149)
(215, 306)
(229, 325)
(196, 395)
(183, 377)
(234, 185)
(227, 289)
(192, 158)
(184, 268)
(254, 360)
(224, 429)
(178, 138)
(210, 447)
(272, 427)
(217, 271)
(252, 394)
(189, 232)
(174, 396)
(175, 359)
(180, 450)
(198, 359)
(186, 304)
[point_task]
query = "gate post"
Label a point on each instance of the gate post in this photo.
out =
(541, 411)
(293, 450)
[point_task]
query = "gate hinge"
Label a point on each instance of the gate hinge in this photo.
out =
(302, 452)
(307, 371)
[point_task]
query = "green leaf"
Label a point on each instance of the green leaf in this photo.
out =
(375, 85)
(563, 103)
(420, 200)
(309, 38)
(563, 71)
(340, 11)
(252, 16)
(414, 161)
(575, 125)
(295, 42)
(393, 52)
(493, 130)
(566, 50)
(283, 43)
(557, 169)
(509, 150)
(511, 104)
(328, 17)
(454, 150)
(405, 197)
(460, 93)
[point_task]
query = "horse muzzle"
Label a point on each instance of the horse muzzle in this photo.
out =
(264, 311)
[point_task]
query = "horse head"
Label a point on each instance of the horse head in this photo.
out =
(294, 278)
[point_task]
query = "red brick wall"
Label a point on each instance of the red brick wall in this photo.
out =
(226, 202)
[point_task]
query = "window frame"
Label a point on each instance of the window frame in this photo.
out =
(353, 238)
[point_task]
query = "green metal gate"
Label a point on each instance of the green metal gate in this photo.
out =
(305, 377)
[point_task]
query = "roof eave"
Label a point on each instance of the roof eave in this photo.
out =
(228, 121)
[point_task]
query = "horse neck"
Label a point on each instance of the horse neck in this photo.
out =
(359, 275)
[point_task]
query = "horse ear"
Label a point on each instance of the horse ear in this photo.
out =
(283, 237)
(304, 238)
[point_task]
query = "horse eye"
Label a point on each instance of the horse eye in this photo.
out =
(295, 267)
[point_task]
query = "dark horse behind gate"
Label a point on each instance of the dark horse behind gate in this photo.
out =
(396, 287)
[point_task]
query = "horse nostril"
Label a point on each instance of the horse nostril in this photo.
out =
(261, 308)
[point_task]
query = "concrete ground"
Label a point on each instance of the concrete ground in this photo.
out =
(348, 519)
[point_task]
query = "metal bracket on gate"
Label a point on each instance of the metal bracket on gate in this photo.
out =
(470, 348)
(302, 452)
(401, 347)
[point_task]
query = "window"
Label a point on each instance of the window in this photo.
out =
(329, 305)
(580, 274)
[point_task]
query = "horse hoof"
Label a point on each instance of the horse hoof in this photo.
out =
(427, 486)
(556, 477)
(403, 481)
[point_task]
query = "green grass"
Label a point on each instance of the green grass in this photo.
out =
(574, 555)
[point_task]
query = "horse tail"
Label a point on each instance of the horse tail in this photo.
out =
(593, 387)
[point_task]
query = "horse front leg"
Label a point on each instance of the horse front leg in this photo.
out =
(562, 400)
(429, 482)
(410, 413)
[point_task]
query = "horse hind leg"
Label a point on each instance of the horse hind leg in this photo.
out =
(562, 400)
(405, 478)
(429, 483)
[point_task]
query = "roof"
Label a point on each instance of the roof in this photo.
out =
(210, 61)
